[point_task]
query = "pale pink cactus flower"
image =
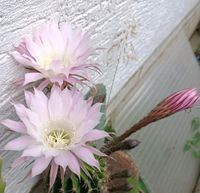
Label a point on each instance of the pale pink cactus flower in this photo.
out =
(55, 131)
(55, 54)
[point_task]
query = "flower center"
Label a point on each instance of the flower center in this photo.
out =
(59, 59)
(59, 139)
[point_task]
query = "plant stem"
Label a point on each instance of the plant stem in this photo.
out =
(142, 123)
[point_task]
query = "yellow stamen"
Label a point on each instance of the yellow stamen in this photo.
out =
(59, 139)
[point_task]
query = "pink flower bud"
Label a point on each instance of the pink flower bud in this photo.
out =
(176, 102)
(182, 100)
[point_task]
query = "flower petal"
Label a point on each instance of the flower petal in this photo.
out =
(19, 143)
(21, 111)
(43, 85)
(96, 151)
(85, 127)
(55, 104)
(32, 77)
(86, 155)
(94, 112)
(94, 135)
(68, 159)
(40, 165)
(28, 97)
(61, 160)
(33, 151)
(74, 165)
(66, 95)
(53, 174)
(14, 125)
(39, 104)
(20, 59)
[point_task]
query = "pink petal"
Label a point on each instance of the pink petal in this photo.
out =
(66, 95)
(32, 77)
(33, 48)
(20, 59)
(19, 143)
(79, 111)
(94, 135)
(55, 104)
(56, 79)
(68, 159)
(86, 126)
(43, 85)
(96, 151)
(39, 104)
(74, 165)
(34, 119)
(53, 174)
(94, 112)
(62, 174)
(28, 97)
(86, 155)
(90, 101)
(21, 111)
(66, 31)
(40, 165)
(57, 42)
(14, 125)
(62, 160)
(19, 82)
(33, 151)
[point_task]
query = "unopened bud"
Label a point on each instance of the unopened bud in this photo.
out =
(176, 102)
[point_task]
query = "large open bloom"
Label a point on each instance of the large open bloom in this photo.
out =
(55, 55)
(55, 131)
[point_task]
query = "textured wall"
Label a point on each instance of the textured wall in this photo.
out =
(111, 22)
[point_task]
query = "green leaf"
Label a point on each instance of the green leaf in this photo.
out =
(187, 147)
(197, 136)
(196, 154)
(195, 123)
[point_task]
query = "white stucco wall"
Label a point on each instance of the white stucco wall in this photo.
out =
(111, 23)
